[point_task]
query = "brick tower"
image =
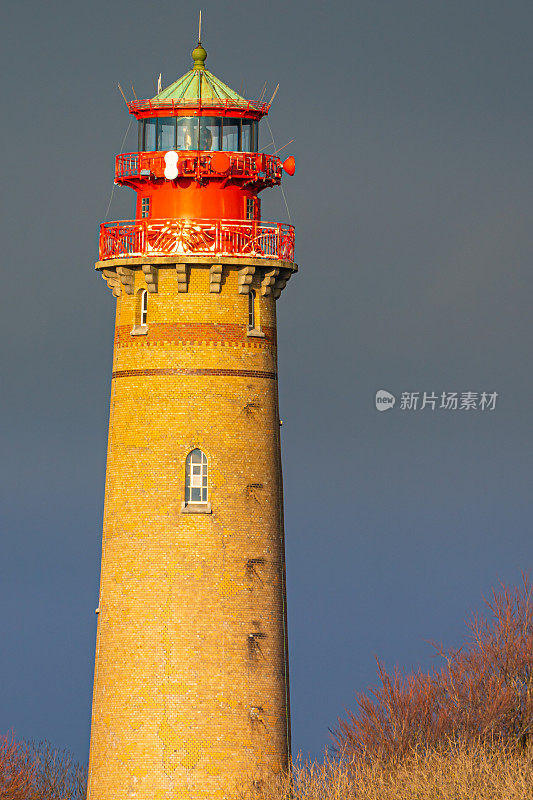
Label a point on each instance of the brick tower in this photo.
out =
(191, 695)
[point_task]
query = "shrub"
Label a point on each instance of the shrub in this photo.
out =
(482, 693)
(38, 771)
(16, 773)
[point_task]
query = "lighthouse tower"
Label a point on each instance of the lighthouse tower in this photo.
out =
(191, 694)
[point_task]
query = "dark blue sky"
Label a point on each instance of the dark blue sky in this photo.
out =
(412, 203)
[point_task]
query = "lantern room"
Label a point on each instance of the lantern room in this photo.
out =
(198, 160)
(198, 133)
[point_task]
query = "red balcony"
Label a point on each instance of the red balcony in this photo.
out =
(255, 167)
(202, 237)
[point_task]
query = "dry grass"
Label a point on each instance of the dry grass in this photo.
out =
(479, 773)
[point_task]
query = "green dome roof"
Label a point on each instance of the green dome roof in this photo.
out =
(200, 85)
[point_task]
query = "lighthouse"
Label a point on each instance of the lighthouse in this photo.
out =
(191, 688)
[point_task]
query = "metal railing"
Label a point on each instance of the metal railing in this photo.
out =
(254, 166)
(168, 237)
(137, 106)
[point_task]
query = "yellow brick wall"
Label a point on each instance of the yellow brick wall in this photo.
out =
(191, 634)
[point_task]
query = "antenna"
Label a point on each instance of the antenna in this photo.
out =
(159, 84)
(263, 93)
(283, 148)
(273, 96)
(122, 93)
(134, 92)
(200, 28)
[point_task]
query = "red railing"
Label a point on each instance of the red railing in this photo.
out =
(168, 237)
(251, 166)
(137, 106)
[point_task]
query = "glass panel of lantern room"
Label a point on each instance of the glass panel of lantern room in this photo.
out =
(166, 133)
(230, 134)
(210, 133)
(247, 144)
(187, 133)
(149, 134)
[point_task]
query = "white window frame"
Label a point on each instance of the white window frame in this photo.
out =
(144, 307)
(251, 309)
(196, 477)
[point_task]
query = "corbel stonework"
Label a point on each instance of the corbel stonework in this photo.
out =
(215, 278)
(150, 276)
(268, 281)
(113, 281)
(127, 277)
(281, 282)
(246, 275)
(181, 272)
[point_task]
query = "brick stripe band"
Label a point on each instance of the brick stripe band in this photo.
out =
(188, 332)
(241, 373)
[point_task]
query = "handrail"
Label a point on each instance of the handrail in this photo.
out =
(136, 106)
(168, 237)
(253, 166)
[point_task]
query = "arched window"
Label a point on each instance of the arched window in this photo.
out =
(251, 309)
(196, 477)
(144, 307)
